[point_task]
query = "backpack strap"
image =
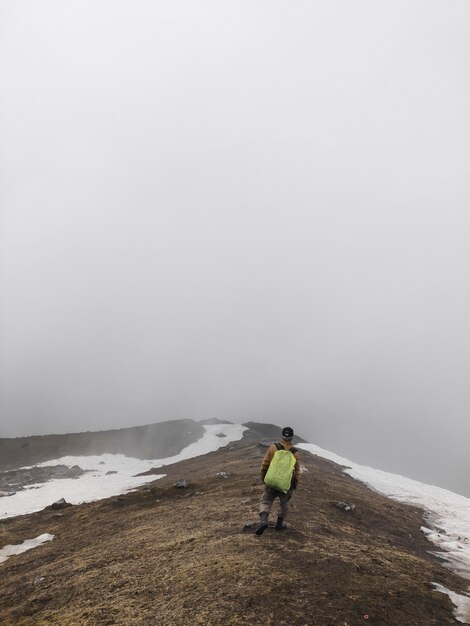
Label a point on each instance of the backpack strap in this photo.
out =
(279, 446)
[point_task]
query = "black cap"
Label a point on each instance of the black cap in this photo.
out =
(287, 432)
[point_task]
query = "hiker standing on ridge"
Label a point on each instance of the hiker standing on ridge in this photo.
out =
(280, 472)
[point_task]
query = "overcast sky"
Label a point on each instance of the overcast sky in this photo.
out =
(248, 209)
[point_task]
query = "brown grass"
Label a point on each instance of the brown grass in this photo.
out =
(177, 557)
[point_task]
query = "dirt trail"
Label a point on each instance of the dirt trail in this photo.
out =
(175, 557)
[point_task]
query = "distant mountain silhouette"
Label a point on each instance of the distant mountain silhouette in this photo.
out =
(152, 441)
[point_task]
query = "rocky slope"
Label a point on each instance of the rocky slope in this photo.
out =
(188, 556)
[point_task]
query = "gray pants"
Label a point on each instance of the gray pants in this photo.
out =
(270, 495)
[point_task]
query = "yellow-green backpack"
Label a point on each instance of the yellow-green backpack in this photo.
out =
(281, 469)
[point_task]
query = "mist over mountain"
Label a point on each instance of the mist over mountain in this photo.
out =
(256, 211)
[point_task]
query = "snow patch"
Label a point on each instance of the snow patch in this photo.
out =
(446, 512)
(109, 474)
(462, 603)
(11, 550)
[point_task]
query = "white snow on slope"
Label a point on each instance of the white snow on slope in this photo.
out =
(96, 485)
(447, 513)
(462, 603)
(11, 550)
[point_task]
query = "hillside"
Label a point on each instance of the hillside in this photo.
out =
(176, 557)
(151, 441)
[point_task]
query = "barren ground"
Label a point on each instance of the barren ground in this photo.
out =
(175, 557)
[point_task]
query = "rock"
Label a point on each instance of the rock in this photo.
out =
(111, 472)
(222, 474)
(221, 435)
(75, 471)
(327, 529)
(39, 579)
(345, 507)
(181, 484)
(17, 480)
(60, 504)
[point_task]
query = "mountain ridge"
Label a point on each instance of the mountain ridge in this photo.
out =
(148, 441)
(176, 557)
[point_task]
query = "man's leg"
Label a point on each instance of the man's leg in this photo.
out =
(265, 508)
(284, 500)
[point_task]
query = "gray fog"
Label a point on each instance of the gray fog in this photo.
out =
(255, 210)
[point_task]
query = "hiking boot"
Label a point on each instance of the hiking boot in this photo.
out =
(263, 525)
(280, 523)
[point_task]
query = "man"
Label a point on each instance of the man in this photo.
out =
(290, 461)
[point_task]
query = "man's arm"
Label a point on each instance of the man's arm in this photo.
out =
(296, 469)
(268, 457)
